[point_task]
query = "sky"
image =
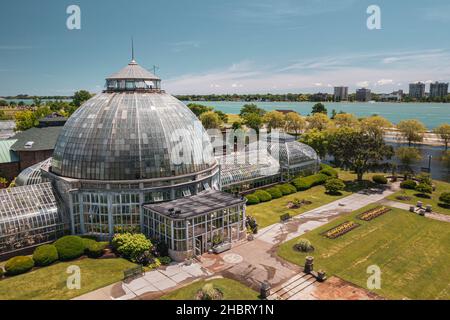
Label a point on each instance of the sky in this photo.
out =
(212, 46)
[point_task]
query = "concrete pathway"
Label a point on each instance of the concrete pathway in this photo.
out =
(405, 206)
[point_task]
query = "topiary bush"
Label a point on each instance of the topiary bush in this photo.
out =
(18, 265)
(328, 170)
(303, 245)
(275, 192)
(408, 184)
(87, 242)
(96, 249)
(424, 188)
(252, 199)
(287, 188)
(69, 247)
(333, 186)
(379, 179)
(45, 255)
(209, 292)
(305, 183)
(263, 196)
(165, 260)
(131, 246)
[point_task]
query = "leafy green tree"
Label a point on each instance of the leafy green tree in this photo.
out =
(408, 156)
(375, 124)
(411, 130)
(37, 102)
(358, 150)
(198, 109)
(254, 121)
(3, 103)
(223, 116)
(210, 120)
(334, 186)
(318, 140)
(294, 122)
(80, 97)
(251, 108)
(319, 108)
(41, 112)
(443, 131)
(318, 121)
(25, 120)
(424, 189)
(345, 120)
(236, 125)
(274, 120)
(3, 115)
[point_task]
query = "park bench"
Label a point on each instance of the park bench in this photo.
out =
(133, 272)
(285, 217)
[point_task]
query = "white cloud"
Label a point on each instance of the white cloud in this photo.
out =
(383, 82)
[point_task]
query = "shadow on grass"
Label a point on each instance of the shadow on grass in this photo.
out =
(422, 195)
(355, 186)
(444, 205)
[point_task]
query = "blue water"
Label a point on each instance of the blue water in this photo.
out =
(431, 114)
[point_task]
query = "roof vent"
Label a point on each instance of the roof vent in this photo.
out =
(29, 144)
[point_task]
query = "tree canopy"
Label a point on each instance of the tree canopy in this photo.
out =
(251, 108)
(295, 122)
(210, 120)
(443, 131)
(319, 108)
(274, 120)
(80, 97)
(411, 130)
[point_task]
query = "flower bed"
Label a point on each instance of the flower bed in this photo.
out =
(373, 213)
(340, 230)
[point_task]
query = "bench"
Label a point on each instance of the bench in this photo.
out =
(133, 272)
(285, 217)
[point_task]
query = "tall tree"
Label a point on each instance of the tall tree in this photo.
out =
(318, 121)
(274, 120)
(254, 121)
(345, 120)
(318, 140)
(198, 109)
(319, 108)
(25, 120)
(375, 124)
(408, 156)
(359, 150)
(251, 108)
(210, 120)
(294, 122)
(443, 131)
(411, 130)
(80, 97)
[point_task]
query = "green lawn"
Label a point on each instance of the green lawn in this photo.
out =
(50, 282)
(231, 289)
(441, 187)
(268, 213)
(412, 251)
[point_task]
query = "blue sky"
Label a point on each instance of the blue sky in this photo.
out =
(212, 46)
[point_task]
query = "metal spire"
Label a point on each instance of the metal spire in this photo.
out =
(132, 49)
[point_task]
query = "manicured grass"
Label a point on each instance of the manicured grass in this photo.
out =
(50, 282)
(411, 251)
(439, 207)
(231, 289)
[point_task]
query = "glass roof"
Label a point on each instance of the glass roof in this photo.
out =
(32, 175)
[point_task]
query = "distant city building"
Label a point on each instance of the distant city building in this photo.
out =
(394, 96)
(438, 89)
(417, 90)
(340, 93)
(363, 95)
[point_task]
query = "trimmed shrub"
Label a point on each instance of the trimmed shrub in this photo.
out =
(424, 188)
(252, 199)
(165, 260)
(275, 192)
(445, 198)
(131, 246)
(2, 272)
(263, 196)
(379, 179)
(209, 292)
(69, 247)
(333, 186)
(303, 245)
(305, 183)
(408, 184)
(287, 188)
(96, 249)
(18, 265)
(87, 242)
(45, 255)
(328, 170)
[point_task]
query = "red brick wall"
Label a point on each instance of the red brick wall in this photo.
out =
(28, 158)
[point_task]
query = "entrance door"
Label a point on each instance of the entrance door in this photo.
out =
(198, 245)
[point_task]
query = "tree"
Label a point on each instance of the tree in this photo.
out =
(254, 121)
(198, 109)
(25, 120)
(345, 120)
(359, 150)
(318, 140)
(223, 116)
(424, 189)
(37, 101)
(294, 122)
(445, 198)
(3, 103)
(274, 120)
(445, 158)
(236, 125)
(375, 124)
(319, 108)
(443, 131)
(408, 156)
(251, 108)
(210, 120)
(333, 186)
(411, 130)
(318, 121)
(80, 97)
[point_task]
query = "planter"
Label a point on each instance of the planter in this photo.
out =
(222, 247)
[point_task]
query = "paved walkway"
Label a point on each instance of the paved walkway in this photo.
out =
(405, 206)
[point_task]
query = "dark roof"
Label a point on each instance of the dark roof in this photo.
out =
(40, 138)
(201, 203)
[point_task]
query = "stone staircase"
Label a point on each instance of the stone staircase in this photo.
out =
(292, 288)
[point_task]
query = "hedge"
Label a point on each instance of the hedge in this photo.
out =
(275, 192)
(45, 255)
(95, 249)
(445, 197)
(18, 265)
(287, 188)
(263, 196)
(379, 179)
(408, 184)
(252, 199)
(328, 170)
(305, 183)
(69, 247)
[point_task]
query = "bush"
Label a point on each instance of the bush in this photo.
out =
(408, 184)
(275, 192)
(379, 179)
(287, 188)
(208, 292)
(263, 196)
(45, 255)
(333, 186)
(2, 272)
(308, 182)
(18, 265)
(424, 188)
(328, 170)
(87, 242)
(304, 245)
(96, 249)
(165, 260)
(425, 178)
(69, 247)
(252, 199)
(445, 198)
(160, 248)
(131, 246)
